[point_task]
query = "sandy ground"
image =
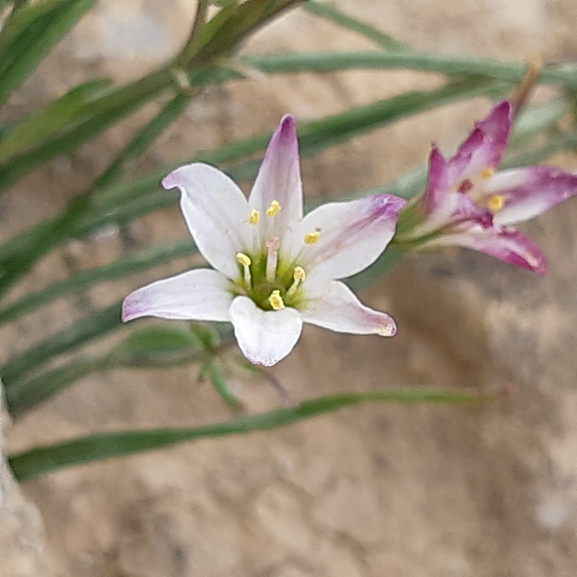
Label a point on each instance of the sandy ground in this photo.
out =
(378, 490)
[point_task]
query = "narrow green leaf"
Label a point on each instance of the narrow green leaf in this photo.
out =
(80, 333)
(118, 203)
(104, 112)
(536, 120)
(511, 73)
(131, 264)
(34, 41)
(29, 464)
(146, 135)
(29, 394)
(333, 14)
(19, 20)
(38, 126)
(153, 347)
(158, 340)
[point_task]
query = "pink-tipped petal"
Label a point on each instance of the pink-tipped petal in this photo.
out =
(279, 178)
(485, 146)
(506, 244)
(352, 235)
(216, 213)
(339, 310)
(264, 337)
(200, 294)
(529, 192)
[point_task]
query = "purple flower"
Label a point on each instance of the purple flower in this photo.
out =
(273, 269)
(468, 203)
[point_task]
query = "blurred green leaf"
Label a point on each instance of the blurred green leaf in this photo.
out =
(80, 333)
(144, 138)
(29, 35)
(152, 347)
(38, 126)
(29, 464)
(158, 340)
(537, 119)
(229, 27)
(31, 393)
(511, 73)
(120, 203)
(333, 14)
(212, 368)
(131, 264)
(100, 113)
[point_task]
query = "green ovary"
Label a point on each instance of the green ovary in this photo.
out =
(284, 290)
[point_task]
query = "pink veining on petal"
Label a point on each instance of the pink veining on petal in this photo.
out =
(531, 191)
(352, 235)
(506, 244)
(496, 128)
(459, 165)
(485, 146)
(279, 179)
(438, 186)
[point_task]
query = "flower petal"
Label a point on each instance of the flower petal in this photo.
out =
(485, 146)
(279, 179)
(339, 310)
(200, 294)
(439, 188)
(506, 244)
(264, 337)
(352, 235)
(530, 191)
(216, 213)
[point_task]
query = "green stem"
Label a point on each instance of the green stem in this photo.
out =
(213, 370)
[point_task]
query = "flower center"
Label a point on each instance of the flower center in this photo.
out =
(271, 283)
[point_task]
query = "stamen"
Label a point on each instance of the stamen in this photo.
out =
(299, 276)
(254, 216)
(273, 209)
(487, 173)
(276, 301)
(496, 203)
(312, 237)
(272, 246)
(299, 273)
(245, 261)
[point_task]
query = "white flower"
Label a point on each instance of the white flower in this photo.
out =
(274, 269)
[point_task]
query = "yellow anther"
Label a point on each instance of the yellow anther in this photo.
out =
(312, 237)
(243, 259)
(299, 276)
(496, 203)
(254, 216)
(487, 173)
(299, 273)
(274, 208)
(276, 301)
